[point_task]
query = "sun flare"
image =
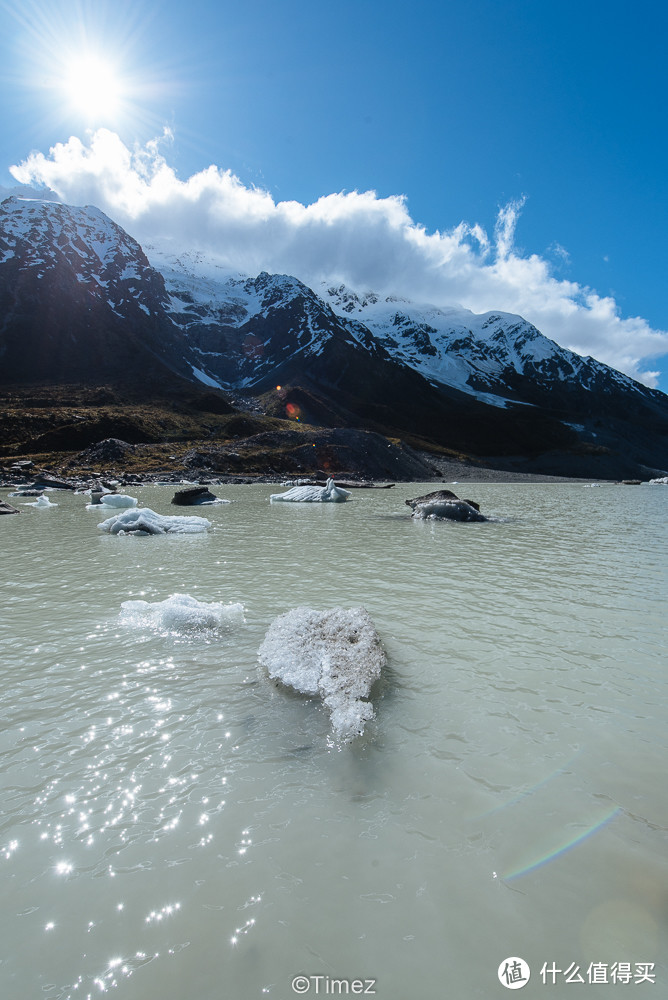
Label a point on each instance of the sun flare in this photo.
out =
(93, 87)
(92, 65)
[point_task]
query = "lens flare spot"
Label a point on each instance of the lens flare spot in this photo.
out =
(562, 846)
(293, 411)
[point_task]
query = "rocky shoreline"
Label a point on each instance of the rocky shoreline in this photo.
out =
(353, 458)
(30, 478)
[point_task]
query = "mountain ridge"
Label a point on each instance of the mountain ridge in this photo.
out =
(80, 299)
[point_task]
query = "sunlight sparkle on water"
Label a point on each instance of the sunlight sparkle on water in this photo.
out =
(10, 848)
(155, 916)
(529, 733)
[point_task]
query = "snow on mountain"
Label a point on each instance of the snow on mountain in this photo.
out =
(46, 234)
(81, 301)
(486, 355)
(245, 327)
(242, 326)
(78, 298)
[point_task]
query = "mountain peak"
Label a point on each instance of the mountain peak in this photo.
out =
(80, 299)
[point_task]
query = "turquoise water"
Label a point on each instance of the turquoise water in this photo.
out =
(174, 825)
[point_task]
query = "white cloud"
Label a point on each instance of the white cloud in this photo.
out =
(360, 239)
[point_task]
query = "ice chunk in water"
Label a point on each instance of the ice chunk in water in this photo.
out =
(182, 613)
(144, 521)
(313, 494)
(111, 501)
(336, 654)
(118, 500)
(41, 502)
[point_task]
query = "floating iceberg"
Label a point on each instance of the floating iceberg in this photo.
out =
(335, 654)
(144, 521)
(662, 481)
(313, 494)
(42, 502)
(118, 500)
(111, 501)
(182, 613)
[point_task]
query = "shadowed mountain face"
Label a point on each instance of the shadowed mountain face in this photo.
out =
(80, 301)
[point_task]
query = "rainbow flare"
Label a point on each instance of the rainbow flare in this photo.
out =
(563, 848)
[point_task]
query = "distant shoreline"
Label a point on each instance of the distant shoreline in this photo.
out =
(453, 471)
(413, 466)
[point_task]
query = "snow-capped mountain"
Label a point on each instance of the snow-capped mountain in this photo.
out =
(248, 331)
(497, 357)
(78, 297)
(80, 300)
(43, 236)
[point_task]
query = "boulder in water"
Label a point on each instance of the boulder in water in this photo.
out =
(444, 505)
(191, 496)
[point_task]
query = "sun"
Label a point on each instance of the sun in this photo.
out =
(92, 64)
(93, 88)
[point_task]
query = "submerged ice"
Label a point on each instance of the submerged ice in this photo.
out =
(144, 521)
(182, 613)
(336, 654)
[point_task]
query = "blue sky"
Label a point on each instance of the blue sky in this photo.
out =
(530, 136)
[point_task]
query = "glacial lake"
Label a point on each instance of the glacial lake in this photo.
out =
(175, 826)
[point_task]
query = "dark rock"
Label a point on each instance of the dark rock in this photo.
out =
(6, 508)
(108, 450)
(440, 496)
(342, 451)
(435, 495)
(55, 484)
(447, 510)
(194, 459)
(444, 505)
(193, 495)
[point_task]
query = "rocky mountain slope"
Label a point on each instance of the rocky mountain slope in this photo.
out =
(495, 356)
(81, 301)
(489, 384)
